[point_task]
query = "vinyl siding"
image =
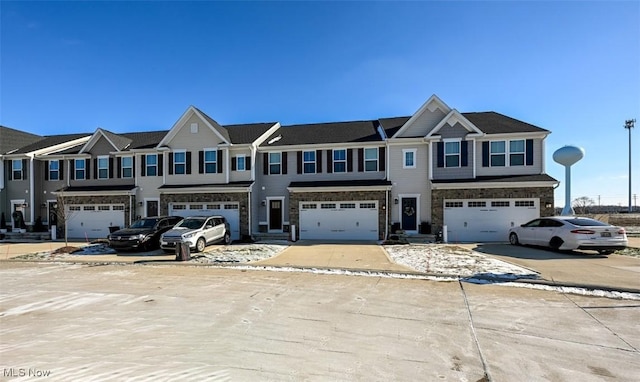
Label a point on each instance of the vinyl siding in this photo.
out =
(510, 170)
(239, 176)
(101, 147)
(410, 181)
(456, 131)
(205, 137)
(424, 123)
(196, 177)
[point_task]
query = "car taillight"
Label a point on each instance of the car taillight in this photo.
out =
(621, 231)
(583, 231)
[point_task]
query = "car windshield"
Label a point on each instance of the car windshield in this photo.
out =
(191, 223)
(586, 222)
(144, 223)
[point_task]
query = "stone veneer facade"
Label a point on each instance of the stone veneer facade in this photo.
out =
(234, 197)
(296, 197)
(545, 194)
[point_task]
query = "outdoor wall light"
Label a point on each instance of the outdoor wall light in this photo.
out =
(140, 204)
(43, 205)
(25, 205)
(395, 201)
(264, 203)
(384, 207)
(548, 205)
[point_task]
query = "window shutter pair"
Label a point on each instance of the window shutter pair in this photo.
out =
(72, 169)
(9, 169)
(283, 163)
(329, 161)
(464, 154)
(381, 159)
(528, 153)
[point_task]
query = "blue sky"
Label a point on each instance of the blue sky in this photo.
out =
(571, 67)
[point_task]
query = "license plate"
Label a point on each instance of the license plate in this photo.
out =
(605, 234)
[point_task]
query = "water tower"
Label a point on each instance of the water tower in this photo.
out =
(568, 156)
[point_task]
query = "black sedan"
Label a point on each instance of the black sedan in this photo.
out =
(143, 234)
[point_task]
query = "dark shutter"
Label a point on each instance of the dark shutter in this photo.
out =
(464, 153)
(485, 154)
(24, 169)
(171, 163)
(382, 160)
(284, 162)
(233, 164)
(110, 167)
(529, 152)
(9, 165)
(219, 161)
(319, 161)
(329, 161)
(439, 153)
(87, 168)
(265, 163)
(143, 165)
(299, 160)
(200, 162)
(46, 170)
(95, 168)
(188, 165)
(349, 160)
(133, 166)
(361, 160)
(72, 169)
(119, 169)
(160, 165)
(247, 163)
(61, 170)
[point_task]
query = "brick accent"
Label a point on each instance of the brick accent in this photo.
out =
(296, 197)
(545, 194)
(236, 197)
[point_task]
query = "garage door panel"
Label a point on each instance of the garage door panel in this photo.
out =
(230, 211)
(93, 221)
(345, 220)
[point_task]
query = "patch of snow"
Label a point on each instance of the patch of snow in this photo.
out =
(239, 253)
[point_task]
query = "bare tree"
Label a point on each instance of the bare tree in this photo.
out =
(581, 205)
(61, 215)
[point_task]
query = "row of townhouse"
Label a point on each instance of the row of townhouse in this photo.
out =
(478, 174)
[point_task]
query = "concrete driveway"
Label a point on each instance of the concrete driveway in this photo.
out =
(571, 268)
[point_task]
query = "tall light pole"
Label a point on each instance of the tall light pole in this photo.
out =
(629, 124)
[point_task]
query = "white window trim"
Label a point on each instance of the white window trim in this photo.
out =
(334, 161)
(459, 154)
(523, 153)
(176, 163)
(122, 167)
(505, 153)
(57, 170)
(244, 163)
(279, 162)
(75, 169)
(204, 160)
(98, 167)
(404, 158)
(315, 162)
(377, 160)
(13, 175)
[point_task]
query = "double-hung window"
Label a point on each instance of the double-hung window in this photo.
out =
(275, 163)
(409, 158)
(498, 153)
(54, 170)
(103, 167)
(152, 164)
(241, 163)
(80, 171)
(340, 160)
(309, 162)
(452, 154)
(127, 167)
(16, 168)
(516, 153)
(179, 162)
(210, 161)
(371, 159)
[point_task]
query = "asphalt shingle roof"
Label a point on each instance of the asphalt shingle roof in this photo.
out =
(118, 140)
(392, 125)
(49, 141)
(12, 139)
(215, 125)
(247, 133)
(491, 122)
(342, 183)
(319, 133)
(506, 179)
(144, 139)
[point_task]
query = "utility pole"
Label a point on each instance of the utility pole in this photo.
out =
(629, 124)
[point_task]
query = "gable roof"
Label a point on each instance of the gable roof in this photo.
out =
(247, 133)
(455, 117)
(491, 122)
(322, 133)
(118, 142)
(208, 121)
(221, 130)
(12, 139)
(51, 140)
(393, 124)
(145, 139)
(433, 103)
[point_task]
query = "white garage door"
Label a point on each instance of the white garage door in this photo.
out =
(230, 211)
(346, 220)
(92, 221)
(487, 220)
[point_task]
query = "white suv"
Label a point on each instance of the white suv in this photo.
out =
(198, 231)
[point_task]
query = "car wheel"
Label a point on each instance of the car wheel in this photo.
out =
(556, 243)
(513, 239)
(605, 252)
(227, 238)
(200, 244)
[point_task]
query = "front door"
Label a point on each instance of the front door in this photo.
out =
(275, 215)
(409, 215)
(152, 208)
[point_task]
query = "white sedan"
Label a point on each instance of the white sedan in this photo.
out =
(570, 232)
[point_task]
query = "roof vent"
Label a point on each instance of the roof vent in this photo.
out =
(274, 140)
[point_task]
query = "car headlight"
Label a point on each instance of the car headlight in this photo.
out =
(188, 235)
(138, 237)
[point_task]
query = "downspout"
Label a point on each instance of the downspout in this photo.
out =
(227, 164)
(31, 188)
(249, 209)
(386, 217)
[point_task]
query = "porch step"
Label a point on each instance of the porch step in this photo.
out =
(27, 236)
(270, 236)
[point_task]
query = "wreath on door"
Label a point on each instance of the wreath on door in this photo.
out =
(409, 210)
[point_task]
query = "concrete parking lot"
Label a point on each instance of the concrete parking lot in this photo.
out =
(120, 322)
